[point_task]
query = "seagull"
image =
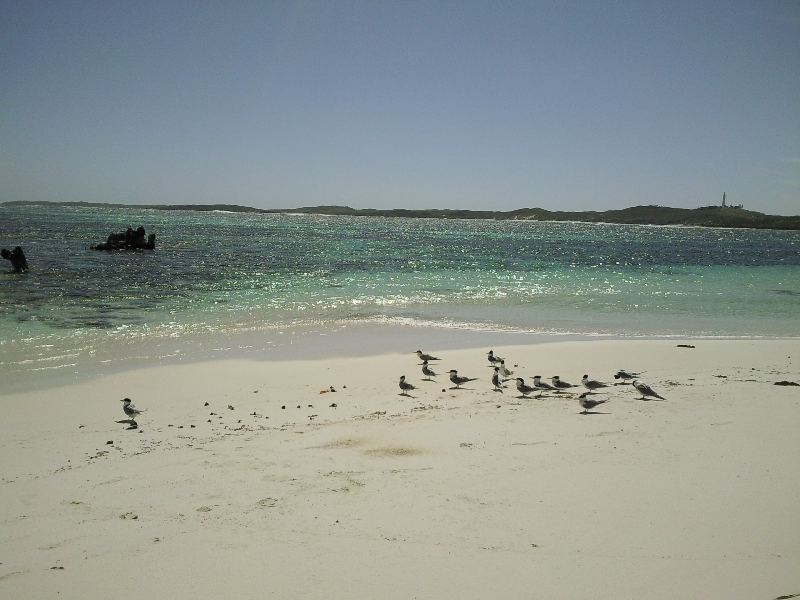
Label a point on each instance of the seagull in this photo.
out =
(560, 385)
(588, 403)
(498, 383)
(645, 390)
(522, 388)
(503, 371)
(592, 384)
(494, 359)
(540, 385)
(405, 386)
(459, 380)
(423, 356)
(625, 375)
(131, 410)
(427, 371)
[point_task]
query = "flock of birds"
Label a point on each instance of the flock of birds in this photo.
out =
(499, 377)
(502, 374)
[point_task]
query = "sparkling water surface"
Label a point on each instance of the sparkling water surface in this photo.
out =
(228, 274)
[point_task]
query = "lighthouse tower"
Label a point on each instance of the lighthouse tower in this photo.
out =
(723, 199)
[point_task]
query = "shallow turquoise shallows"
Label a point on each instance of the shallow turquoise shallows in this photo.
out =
(229, 273)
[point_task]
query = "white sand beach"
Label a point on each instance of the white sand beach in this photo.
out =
(364, 493)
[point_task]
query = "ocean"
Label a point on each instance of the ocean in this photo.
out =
(233, 283)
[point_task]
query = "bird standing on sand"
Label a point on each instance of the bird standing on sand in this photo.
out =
(459, 380)
(423, 356)
(498, 383)
(588, 403)
(522, 388)
(131, 410)
(625, 375)
(560, 385)
(405, 386)
(427, 371)
(645, 390)
(494, 359)
(592, 384)
(503, 371)
(541, 385)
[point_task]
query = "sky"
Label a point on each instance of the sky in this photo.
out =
(563, 105)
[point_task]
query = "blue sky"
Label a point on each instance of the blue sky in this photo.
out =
(560, 105)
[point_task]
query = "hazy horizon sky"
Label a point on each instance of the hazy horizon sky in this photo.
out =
(475, 105)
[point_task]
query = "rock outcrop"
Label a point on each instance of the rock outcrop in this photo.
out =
(128, 240)
(17, 258)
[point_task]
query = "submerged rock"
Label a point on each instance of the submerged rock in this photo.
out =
(128, 240)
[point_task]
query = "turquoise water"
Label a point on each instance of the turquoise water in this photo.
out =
(232, 274)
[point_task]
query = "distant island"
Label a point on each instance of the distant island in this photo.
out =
(706, 216)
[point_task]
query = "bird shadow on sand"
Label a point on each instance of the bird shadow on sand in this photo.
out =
(407, 396)
(651, 399)
(133, 424)
(593, 412)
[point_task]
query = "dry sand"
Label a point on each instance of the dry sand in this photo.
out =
(446, 494)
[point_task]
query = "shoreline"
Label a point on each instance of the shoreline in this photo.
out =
(446, 493)
(304, 342)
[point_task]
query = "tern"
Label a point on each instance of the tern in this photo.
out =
(541, 385)
(645, 390)
(497, 381)
(495, 360)
(588, 403)
(131, 410)
(592, 384)
(459, 380)
(560, 385)
(522, 388)
(405, 386)
(503, 371)
(427, 371)
(423, 356)
(625, 375)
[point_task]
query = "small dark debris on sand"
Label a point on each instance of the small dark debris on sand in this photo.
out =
(793, 383)
(110, 442)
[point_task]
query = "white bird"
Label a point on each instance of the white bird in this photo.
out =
(503, 371)
(559, 384)
(522, 388)
(405, 386)
(625, 375)
(131, 410)
(427, 371)
(498, 383)
(645, 390)
(541, 385)
(588, 403)
(592, 384)
(426, 356)
(459, 380)
(494, 359)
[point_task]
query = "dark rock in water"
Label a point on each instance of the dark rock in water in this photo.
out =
(128, 240)
(17, 258)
